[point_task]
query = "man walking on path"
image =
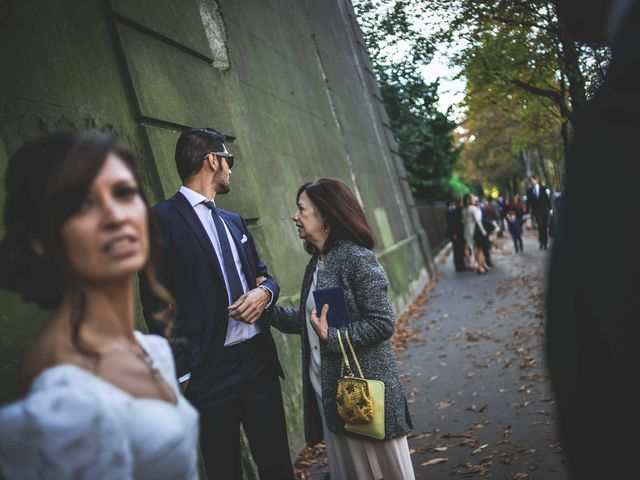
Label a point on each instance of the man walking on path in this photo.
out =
(538, 205)
(226, 356)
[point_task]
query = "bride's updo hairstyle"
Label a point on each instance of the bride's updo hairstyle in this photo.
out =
(46, 182)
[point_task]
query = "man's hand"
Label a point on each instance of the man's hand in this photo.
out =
(250, 306)
(260, 280)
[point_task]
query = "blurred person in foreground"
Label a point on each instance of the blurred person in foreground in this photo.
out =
(592, 300)
(339, 239)
(99, 399)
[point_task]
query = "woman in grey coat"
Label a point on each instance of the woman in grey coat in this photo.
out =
(339, 238)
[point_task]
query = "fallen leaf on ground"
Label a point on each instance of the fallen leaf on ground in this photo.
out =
(478, 409)
(479, 449)
(434, 461)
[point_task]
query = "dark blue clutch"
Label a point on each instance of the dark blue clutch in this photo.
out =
(338, 312)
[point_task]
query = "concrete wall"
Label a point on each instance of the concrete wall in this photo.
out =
(289, 79)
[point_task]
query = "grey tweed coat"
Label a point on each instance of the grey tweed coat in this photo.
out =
(364, 281)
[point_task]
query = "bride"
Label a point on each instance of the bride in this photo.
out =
(98, 398)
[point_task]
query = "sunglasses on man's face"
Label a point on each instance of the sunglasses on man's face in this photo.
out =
(230, 158)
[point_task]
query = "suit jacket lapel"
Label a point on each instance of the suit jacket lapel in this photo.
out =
(236, 234)
(191, 219)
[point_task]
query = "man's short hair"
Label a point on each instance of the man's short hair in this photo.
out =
(192, 146)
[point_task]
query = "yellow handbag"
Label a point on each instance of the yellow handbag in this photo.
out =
(359, 401)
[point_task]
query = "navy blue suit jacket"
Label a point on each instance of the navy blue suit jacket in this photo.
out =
(190, 271)
(538, 205)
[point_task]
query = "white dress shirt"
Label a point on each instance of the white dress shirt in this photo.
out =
(237, 331)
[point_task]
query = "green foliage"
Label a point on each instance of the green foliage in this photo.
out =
(526, 80)
(457, 187)
(424, 135)
(510, 132)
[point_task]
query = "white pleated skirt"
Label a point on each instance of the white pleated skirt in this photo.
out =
(360, 459)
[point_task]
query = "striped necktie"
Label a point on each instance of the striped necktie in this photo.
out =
(233, 278)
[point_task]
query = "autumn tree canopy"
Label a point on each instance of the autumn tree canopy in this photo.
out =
(526, 82)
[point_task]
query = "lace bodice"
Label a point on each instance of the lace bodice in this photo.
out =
(74, 424)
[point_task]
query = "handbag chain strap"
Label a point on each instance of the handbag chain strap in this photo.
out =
(345, 357)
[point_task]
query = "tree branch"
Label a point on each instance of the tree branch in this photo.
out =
(554, 95)
(525, 23)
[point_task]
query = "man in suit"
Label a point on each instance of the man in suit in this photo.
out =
(592, 296)
(225, 354)
(538, 205)
(455, 233)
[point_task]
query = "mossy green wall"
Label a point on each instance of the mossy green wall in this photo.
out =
(289, 79)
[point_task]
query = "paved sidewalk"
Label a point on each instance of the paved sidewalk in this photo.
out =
(475, 376)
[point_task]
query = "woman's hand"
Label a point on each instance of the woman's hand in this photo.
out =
(320, 325)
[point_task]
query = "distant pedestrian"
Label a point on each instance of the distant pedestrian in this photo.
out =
(489, 225)
(518, 207)
(538, 205)
(497, 209)
(474, 233)
(515, 229)
(455, 233)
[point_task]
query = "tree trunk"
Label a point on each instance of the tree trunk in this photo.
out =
(570, 66)
(543, 168)
(557, 171)
(566, 142)
(525, 156)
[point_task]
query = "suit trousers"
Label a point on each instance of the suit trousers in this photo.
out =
(542, 219)
(458, 253)
(247, 392)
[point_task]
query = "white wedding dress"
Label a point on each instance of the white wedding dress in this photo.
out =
(75, 425)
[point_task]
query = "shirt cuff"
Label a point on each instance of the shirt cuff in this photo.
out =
(184, 377)
(270, 295)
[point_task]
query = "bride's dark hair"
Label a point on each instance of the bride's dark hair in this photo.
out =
(46, 182)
